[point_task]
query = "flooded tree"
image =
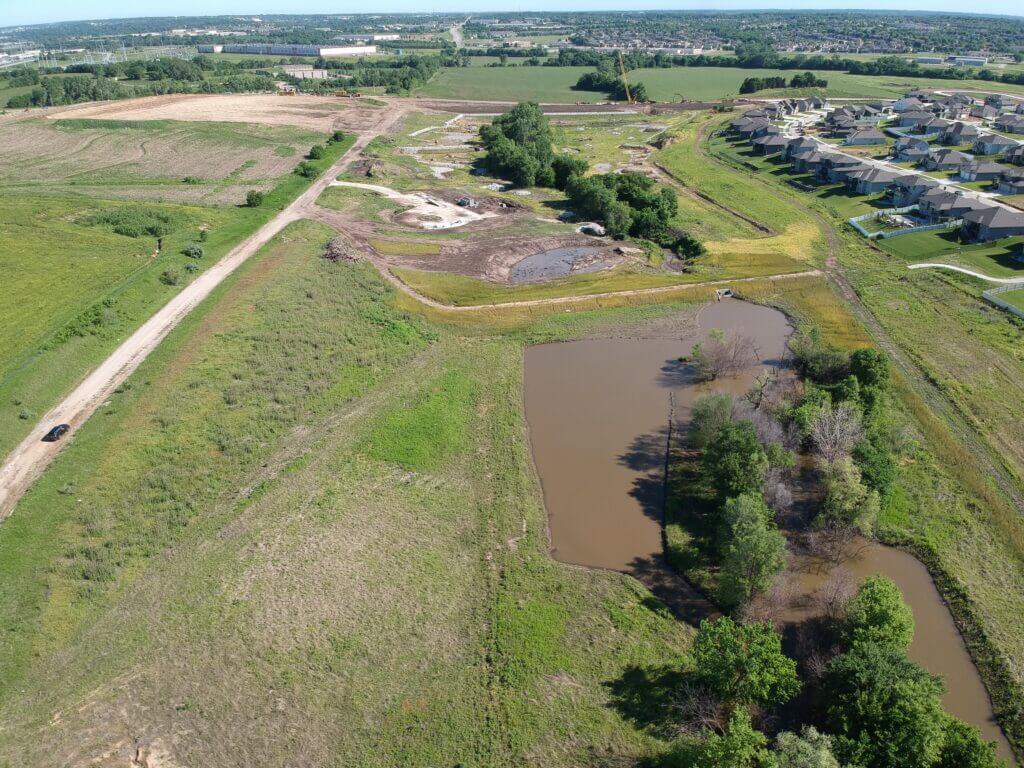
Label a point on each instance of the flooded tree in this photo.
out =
(723, 354)
(753, 550)
(878, 614)
(744, 663)
(809, 749)
(836, 430)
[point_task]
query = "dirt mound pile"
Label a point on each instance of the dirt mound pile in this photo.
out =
(337, 251)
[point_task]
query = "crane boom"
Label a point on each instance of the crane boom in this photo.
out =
(625, 82)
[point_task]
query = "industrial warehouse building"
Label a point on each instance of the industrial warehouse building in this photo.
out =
(284, 49)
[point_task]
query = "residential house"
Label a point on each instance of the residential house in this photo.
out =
(907, 190)
(797, 145)
(1015, 155)
(751, 129)
(1011, 182)
(941, 204)
(865, 136)
(746, 126)
(983, 112)
(992, 223)
(1009, 123)
(872, 180)
(914, 119)
(960, 134)
(836, 168)
(907, 104)
(806, 161)
(817, 102)
(934, 127)
(945, 160)
(981, 170)
(993, 144)
(910, 150)
(770, 144)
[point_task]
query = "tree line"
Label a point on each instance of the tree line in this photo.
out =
(804, 80)
(760, 57)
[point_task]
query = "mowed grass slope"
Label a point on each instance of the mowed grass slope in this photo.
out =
(312, 512)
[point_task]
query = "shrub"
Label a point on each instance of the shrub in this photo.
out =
(253, 198)
(193, 250)
(135, 221)
(307, 170)
(170, 277)
(317, 152)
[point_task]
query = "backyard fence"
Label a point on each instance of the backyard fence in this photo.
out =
(992, 297)
(855, 222)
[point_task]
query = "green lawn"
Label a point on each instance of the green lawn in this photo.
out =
(1016, 298)
(311, 510)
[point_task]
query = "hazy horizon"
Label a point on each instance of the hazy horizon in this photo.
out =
(88, 10)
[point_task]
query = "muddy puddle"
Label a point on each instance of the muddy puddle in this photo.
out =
(599, 412)
(560, 262)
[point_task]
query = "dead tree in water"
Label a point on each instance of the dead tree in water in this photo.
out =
(723, 354)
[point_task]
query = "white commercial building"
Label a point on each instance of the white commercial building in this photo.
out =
(286, 49)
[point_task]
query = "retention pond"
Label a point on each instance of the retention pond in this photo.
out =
(600, 413)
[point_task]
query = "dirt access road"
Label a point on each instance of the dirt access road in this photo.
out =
(32, 456)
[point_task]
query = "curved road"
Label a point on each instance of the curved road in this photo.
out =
(971, 272)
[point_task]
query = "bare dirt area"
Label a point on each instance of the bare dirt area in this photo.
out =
(42, 150)
(317, 113)
(493, 248)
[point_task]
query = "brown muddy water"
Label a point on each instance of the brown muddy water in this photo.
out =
(599, 414)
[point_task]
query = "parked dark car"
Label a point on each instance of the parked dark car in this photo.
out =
(56, 433)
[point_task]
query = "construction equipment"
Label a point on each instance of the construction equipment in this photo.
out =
(625, 82)
(348, 94)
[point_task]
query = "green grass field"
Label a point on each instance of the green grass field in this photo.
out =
(76, 290)
(554, 84)
(311, 510)
(1016, 298)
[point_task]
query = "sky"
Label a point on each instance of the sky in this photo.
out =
(14, 12)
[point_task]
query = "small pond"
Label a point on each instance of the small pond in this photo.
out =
(599, 413)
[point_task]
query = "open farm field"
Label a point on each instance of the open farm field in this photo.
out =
(315, 113)
(554, 84)
(544, 84)
(163, 160)
(81, 265)
(223, 558)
